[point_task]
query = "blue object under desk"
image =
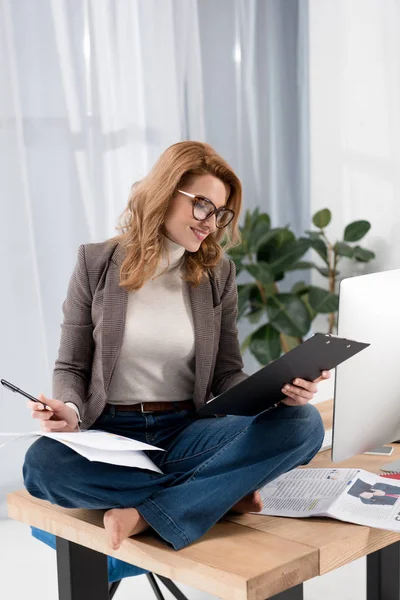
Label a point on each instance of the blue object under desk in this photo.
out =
(117, 569)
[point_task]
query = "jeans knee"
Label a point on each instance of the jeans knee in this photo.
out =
(306, 424)
(39, 466)
(312, 433)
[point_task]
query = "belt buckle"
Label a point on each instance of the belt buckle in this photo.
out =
(142, 409)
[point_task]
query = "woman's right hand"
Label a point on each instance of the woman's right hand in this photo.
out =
(60, 418)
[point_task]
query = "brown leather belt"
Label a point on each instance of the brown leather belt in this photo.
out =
(149, 407)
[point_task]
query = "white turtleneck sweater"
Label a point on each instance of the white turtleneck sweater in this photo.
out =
(156, 362)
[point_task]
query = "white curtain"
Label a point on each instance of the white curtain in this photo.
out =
(92, 91)
(255, 73)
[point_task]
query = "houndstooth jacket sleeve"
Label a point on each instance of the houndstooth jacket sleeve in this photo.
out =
(228, 370)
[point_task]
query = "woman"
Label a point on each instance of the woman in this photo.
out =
(149, 333)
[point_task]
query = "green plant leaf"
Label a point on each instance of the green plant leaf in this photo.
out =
(255, 298)
(255, 315)
(300, 288)
(265, 344)
(343, 249)
(322, 218)
(323, 301)
(243, 298)
(356, 230)
(310, 265)
(245, 229)
(285, 236)
(310, 309)
(284, 257)
(325, 272)
(291, 342)
(288, 314)
(269, 243)
(363, 255)
(248, 219)
(260, 228)
(261, 271)
(269, 288)
(302, 265)
(237, 252)
(314, 235)
(238, 264)
(320, 247)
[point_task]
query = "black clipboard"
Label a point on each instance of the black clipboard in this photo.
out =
(260, 391)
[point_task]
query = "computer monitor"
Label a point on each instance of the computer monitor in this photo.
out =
(367, 387)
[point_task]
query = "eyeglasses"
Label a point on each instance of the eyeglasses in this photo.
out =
(203, 209)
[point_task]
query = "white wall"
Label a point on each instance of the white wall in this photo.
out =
(355, 118)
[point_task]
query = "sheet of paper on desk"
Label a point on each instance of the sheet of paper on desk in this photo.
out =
(99, 446)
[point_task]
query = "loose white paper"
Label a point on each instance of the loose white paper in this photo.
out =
(100, 446)
(134, 458)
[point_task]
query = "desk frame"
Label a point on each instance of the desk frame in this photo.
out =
(383, 573)
(83, 573)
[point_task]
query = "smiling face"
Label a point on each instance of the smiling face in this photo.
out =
(180, 226)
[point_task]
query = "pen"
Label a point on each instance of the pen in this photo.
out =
(17, 390)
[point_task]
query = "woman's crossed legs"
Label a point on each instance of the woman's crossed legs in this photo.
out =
(209, 466)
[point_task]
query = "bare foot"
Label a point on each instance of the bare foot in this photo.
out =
(121, 523)
(250, 503)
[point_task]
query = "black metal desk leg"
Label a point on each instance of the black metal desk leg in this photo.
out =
(383, 573)
(294, 593)
(82, 573)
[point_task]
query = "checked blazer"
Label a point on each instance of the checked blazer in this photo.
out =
(93, 327)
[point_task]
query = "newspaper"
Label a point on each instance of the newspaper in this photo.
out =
(100, 446)
(351, 495)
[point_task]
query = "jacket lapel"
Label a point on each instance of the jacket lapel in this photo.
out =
(201, 299)
(115, 303)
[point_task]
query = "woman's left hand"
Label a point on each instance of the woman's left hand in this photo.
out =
(301, 391)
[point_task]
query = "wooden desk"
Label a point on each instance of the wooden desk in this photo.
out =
(339, 543)
(246, 557)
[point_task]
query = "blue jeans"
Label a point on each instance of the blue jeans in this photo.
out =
(208, 466)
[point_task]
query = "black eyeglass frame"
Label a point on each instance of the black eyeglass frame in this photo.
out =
(215, 210)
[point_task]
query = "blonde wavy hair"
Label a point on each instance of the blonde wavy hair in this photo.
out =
(141, 223)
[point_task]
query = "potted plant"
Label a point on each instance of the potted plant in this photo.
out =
(266, 255)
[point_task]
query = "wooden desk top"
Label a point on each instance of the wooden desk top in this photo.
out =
(230, 561)
(246, 557)
(337, 543)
